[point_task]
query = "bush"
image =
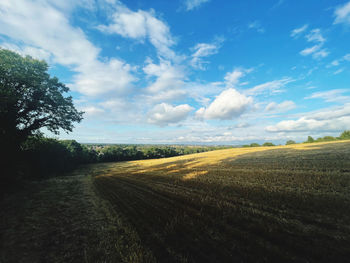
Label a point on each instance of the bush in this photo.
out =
(254, 144)
(310, 139)
(268, 144)
(345, 135)
(289, 142)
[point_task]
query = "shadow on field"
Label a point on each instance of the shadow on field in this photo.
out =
(272, 205)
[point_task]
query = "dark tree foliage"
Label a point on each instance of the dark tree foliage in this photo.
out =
(268, 144)
(345, 135)
(30, 99)
(289, 142)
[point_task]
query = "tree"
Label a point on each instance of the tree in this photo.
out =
(290, 142)
(310, 139)
(345, 135)
(31, 99)
(268, 144)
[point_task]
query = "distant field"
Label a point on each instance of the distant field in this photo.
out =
(281, 204)
(264, 204)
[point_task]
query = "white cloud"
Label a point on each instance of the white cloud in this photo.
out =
(139, 25)
(257, 26)
(202, 50)
(310, 50)
(297, 31)
(315, 35)
(34, 52)
(338, 71)
(92, 111)
(320, 54)
(169, 79)
(280, 107)
(232, 78)
(347, 57)
(51, 32)
(334, 63)
(103, 78)
(342, 14)
(271, 87)
(335, 95)
(337, 62)
(228, 105)
(315, 51)
(331, 119)
(192, 4)
(164, 114)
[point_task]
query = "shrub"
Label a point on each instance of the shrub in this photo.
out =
(289, 142)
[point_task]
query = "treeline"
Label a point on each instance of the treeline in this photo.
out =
(345, 135)
(43, 157)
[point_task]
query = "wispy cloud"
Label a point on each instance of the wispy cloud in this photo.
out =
(193, 4)
(203, 50)
(298, 31)
(334, 119)
(284, 106)
(335, 95)
(316, 51)
(271, 87)
(256, 25)
(342, 14)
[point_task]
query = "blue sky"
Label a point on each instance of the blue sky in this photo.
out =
(192, 71)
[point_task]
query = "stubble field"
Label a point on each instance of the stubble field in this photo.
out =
(265, 204)
(237, 205)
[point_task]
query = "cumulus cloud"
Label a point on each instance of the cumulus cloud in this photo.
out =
(192, 4)
(228, 105)
(280, 107)
(271, 87)
(51, 35)
(332, 119)
(298, 31)
(342, 14)
(141, 25)
(164, 114)
(168, 83)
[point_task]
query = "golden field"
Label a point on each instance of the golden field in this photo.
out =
(264, 204)
(284, 203)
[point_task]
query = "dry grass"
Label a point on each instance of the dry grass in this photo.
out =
(286, 203)
(266, 204)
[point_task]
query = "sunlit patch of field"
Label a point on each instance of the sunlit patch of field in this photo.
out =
(280, 204)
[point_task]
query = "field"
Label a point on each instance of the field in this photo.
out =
(264, 204)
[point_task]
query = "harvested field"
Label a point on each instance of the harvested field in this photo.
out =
(266, 204)
(250, 204)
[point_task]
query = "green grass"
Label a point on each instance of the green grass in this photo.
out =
(266, 204)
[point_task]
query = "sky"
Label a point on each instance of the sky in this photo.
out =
(192, 71)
